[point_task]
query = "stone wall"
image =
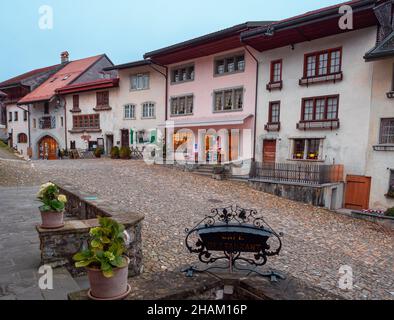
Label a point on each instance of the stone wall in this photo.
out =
(58, 246)
(329, 196)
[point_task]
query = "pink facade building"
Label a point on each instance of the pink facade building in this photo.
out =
(211, 96)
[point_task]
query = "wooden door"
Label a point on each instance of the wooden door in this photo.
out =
(269, 151)
(47, 148)
(358, 189)
(125, 138)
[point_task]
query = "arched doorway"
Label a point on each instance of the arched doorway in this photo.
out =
(47, 148)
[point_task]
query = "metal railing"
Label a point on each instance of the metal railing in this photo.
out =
(311, 174)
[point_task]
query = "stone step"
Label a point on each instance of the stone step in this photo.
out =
(63, 284)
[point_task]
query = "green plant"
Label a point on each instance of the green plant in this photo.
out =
(106, 249)
(115, 153)
(51, 198)
(125, 153)
(390, 212)
(98, 152)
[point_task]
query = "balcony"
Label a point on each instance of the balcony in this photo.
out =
(47, 122)
(272, 127)
(318, 125)
(334, 77)
(275, 85)
(309, 174)
(383, 147)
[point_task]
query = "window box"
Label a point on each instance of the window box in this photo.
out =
(272, 127)
(390, 95)
(383, 147)
(274, 86)
(318, 125)
(317, 79)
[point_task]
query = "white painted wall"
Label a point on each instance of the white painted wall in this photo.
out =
(113, 121)
(379, 162)
(58, 133)
(17, 127)
(346, 145)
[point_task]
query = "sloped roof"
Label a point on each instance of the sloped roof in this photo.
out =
(382, 50)
(130, 65)
(89, 86)
(2, 93)
(311, 25)
(67, 75)
(208, 44)
(19, 79)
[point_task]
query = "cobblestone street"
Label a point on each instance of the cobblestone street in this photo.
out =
(316, 242)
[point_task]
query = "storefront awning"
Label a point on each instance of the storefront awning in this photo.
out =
(207, 122)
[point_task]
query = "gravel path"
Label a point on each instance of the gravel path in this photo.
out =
(316, 242)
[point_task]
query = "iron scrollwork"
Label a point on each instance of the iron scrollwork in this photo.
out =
(235, 232)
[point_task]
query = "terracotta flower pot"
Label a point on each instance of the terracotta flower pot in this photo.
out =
(52, 219)
(114, 288)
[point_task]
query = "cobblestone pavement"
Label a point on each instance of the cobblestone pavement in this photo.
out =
(316, 242)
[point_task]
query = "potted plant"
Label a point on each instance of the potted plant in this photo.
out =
(105, 260)
(115, 153)
(52, 208)
(98, 152)
(125, 153)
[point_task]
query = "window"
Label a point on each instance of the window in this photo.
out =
(129, 111)
(76, 103)
(276, 71)
(387, 131)
(320, 108)
(274, 112)
(182, 105)
(148, 110)
(88, 121)
(140, 81)
(24, 115)
(230, 64)
(323, 63)
(306, 149)
(103, 99)
(34, 123)
(46, 108)
(15, 115)
(182, 74)
(391, 181)
(228, 100)
(22, 138)
(62, 122)
(9, 116)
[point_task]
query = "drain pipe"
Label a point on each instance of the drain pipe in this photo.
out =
(165, 75)
(253, 165)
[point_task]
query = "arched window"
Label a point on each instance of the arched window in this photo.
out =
(22, 138)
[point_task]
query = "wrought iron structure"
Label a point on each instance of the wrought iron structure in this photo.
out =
(240, 235)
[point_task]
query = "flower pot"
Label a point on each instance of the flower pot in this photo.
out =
(114, 288)
(52, 219)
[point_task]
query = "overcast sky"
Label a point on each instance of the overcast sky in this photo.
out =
(123, 29)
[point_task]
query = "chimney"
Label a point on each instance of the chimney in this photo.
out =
(64, 57)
